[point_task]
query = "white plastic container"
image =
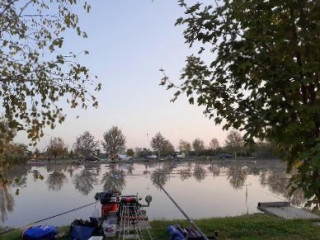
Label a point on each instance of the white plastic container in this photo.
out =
(109, 225)
(96, 238)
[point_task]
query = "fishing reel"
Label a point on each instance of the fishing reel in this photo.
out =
(148, 199)
(134, 200)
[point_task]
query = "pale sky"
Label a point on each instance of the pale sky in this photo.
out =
(129, 41)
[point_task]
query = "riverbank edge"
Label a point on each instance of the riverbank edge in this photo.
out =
(245, 227)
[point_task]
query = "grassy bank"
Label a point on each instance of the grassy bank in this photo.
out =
(249, 227)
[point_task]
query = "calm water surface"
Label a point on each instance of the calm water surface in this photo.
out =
(210, 189)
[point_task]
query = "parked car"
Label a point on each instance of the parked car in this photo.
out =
(124, 157)
(153, 156)
(91, 159)
(178, 155)
(225, 155)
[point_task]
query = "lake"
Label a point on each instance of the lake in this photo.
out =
(204, 189)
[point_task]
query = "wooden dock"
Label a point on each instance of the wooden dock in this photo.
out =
(286, 210)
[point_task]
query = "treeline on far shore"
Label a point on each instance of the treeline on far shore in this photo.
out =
(160, 148)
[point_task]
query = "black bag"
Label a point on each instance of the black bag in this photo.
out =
(104, 197)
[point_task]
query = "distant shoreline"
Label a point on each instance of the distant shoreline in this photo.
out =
(142, 160)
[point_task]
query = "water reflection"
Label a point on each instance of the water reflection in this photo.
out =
(199, 173)
(169, 166)
(57, 167)
(85, 180)
(6, 202)
(70, 171)
(56, 180)
(19, 175)
(130, 170)
(160, 176)
(267, 181)
(237, 176)
(253, 170)
(113, 180)
(36, 175)
(263, 177)
(278, 184)
(146, 171)
(214, 169)
(185, 173)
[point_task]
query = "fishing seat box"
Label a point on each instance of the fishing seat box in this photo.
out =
(110, 206)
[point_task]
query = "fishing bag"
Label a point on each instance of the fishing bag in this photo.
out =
(40, 233)
(83, 230)
(105, 197)
(176, 232)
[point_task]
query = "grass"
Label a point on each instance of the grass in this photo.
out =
(247, 227)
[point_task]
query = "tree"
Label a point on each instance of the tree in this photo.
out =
(161, 145)
(265, 150)
(214, 144)
(35, 72)
(37, 153)
(57, 148)
(16, 153)
(168, 149)
(6, 137)
(142, 152)
(198, 145)
(71, 154)
(86, 144)
(158, 142)
(114, 141)
(184, 146)
(130, 152)
(234, 142)
(260, 75)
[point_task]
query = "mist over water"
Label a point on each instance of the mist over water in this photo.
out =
(204, 189)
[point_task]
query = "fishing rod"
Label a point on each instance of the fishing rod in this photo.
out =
(184, 214)
(47, 218)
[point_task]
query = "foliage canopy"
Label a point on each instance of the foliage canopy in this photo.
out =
(198, 145)
(184, 146)
(86, 144)
(257, 70)
(214, 144)
(114, 141)
(57, 147)
(35, 72)
(161, 145)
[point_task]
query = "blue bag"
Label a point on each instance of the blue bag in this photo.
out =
(40, 233)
